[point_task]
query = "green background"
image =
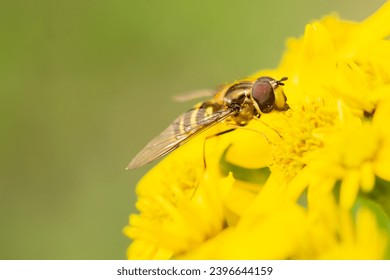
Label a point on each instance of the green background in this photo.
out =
(85, 84)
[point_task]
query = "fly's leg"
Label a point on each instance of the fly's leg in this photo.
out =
(212, 136)
(234, 127)
(267, 125)
(204, 151)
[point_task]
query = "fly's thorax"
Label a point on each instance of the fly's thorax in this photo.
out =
(246, 113)
(238, 97)
(238, 94)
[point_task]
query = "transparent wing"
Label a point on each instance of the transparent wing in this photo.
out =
(182, 129)
(194, 94)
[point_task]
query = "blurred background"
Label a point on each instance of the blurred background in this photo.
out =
(84, 85)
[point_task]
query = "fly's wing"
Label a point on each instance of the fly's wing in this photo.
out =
(182, 129)
(197, 94)
(194, 94)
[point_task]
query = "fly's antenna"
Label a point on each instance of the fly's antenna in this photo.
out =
(280, 82)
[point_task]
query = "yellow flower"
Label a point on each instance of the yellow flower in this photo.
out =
(358, 239)
(309, 183)
(275, 228)
(353, 155)
(180, 206)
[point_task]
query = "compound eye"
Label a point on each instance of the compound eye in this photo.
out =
(263, 94)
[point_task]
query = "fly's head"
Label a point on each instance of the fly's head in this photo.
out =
(268, 95)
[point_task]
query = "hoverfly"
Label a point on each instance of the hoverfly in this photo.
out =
(237, 103)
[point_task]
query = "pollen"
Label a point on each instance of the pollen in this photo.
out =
(300, 132)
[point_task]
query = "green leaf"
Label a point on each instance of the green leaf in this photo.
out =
(380, 194)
